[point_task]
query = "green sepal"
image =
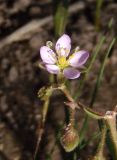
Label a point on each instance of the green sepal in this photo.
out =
(45, 92)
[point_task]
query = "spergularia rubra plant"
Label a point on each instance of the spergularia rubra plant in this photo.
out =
(61, 61)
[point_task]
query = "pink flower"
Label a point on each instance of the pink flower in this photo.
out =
(62, 61)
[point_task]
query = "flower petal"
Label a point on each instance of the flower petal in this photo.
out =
(47, 55)
(78, 58)
(63, 45)
(71, 73)
(54, 69)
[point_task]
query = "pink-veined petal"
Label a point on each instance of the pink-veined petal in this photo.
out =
(47, 55)
(54, 69)
(71, 73)
(78, 58)
(63, 45)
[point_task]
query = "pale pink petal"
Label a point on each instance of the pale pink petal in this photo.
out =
(78, 58)
(54, 69)
(71, 73)
(47, 55)
(63, 45)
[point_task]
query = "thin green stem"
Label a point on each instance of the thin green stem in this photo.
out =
(83, 129)
(95, 136)
(100, 75)
(44, 115)
(71, 103)
(60, 16)
(64, 89)
(94, 94)
(112, 134)
(97, 14)
(72, 116)
(99, 155)
(96, 51)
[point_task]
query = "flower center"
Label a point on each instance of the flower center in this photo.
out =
(62, 62)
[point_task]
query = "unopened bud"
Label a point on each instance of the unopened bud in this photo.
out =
(49, 44)
(77, 49)
(70, 138)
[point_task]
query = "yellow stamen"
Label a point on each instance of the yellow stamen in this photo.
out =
(62, 62)
(71, 56)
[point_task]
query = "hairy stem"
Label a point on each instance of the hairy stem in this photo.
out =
(44, 115)
(111, 123)
(99, 155)
(72, 104)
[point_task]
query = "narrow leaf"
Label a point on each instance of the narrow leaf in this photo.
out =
(100, 75)
(85, 123)
(60, 18)
(94, 56)
(93, 114)
(110, 119)
(99, 153)
(98, 14)
(90, 112)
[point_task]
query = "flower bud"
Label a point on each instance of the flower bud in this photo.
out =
(70, 138)
(77, 49)
(49, 44)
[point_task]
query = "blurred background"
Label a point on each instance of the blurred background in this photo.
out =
(25, 26)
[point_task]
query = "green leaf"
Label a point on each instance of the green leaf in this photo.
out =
(85, 123)
(97, 14)
(96, 51)
(93, 137)
(60, 18)
(101, 71)
(110, 24)
(99, 152)
(110, 119)
(93, 114)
